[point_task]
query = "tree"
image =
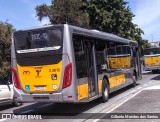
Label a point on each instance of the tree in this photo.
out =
(6, 30)
(113, 16)
(64, 11)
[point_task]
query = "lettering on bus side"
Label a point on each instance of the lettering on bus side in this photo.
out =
(54, 70)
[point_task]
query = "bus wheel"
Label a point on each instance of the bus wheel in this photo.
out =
(105, 91)
(16, 104)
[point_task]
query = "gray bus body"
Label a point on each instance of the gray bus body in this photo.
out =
(73, 70)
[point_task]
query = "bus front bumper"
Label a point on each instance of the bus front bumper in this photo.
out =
(20, 96)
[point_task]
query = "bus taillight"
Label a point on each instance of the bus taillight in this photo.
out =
(67, 76)
(16, 79)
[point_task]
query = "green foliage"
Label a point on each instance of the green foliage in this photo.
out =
(64, 11)
(112, 16)
(145, 44)
(6, 30)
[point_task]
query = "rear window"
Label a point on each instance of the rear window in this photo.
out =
(151, 51)
(36, 41)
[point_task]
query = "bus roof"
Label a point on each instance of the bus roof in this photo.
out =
(92, 33)
(104, 35)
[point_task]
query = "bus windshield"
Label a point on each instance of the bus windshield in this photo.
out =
(151, 51)
(36, 41)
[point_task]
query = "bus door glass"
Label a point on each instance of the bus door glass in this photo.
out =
(138, 64)
(91, 67)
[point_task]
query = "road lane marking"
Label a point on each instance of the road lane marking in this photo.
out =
(132, 91)
(152, 87)
(124, 101)
(96, 120)
(25, 112)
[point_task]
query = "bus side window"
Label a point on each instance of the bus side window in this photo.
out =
(127, 56)
(80, 58)
(100, 57)
(110, 57)
(119, 57)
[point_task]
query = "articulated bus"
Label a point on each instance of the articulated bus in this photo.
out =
(151, 59)
(64, 63)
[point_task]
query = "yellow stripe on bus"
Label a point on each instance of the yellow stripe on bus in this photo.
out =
(82, 91)
(116, 80)
(100, 86)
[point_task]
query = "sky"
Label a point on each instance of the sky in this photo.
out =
(147, 17)
(21, 14)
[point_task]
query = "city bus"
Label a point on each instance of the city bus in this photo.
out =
(151, 59)
(65, 63)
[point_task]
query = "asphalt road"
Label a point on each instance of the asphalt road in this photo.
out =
(126, 100)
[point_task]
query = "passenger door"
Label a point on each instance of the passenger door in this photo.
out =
(85, 67)
(137, 63)
(89, 47)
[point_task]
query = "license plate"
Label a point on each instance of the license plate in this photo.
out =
(39, 88)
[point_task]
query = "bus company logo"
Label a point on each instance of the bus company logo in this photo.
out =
(38, 72)
(26, 72)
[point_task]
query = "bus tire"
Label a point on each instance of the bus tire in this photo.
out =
(16, 104)
(105, 91)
